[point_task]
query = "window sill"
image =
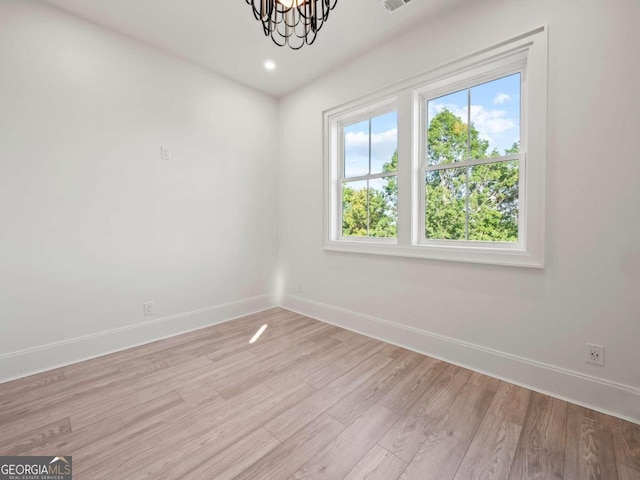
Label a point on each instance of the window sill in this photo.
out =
(492, 256)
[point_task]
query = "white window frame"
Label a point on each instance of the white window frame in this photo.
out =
(525, 54)
(470, 79)
(390, 105)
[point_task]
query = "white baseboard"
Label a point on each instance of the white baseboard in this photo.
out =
(46, 357)
(608, 397)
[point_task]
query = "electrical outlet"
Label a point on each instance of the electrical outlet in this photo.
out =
(300, 288)
(165, 153)
(148, 308)
(595, 354)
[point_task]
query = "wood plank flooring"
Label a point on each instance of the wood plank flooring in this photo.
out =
(307, 400)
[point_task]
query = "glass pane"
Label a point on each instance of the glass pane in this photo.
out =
(383, 207)
(356, 149)
(447, 128)
(493, 202)
(384, 143)
(495, 117)
(354, 209)
(446, 204)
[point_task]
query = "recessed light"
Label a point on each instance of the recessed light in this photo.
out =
(270, 65)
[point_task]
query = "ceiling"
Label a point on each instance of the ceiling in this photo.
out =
(223, 35)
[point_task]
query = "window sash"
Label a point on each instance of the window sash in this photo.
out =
(426, 93)
(366, 178)
(474, 161)
(371, 176)
(388, 106)
(520, 244)
(363, 115)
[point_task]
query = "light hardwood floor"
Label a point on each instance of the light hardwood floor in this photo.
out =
(307, 400)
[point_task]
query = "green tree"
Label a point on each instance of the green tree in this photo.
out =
(355, 219)
(391, 186)
(490, 190)
(447, 140)
(374, 216)
(493, 200)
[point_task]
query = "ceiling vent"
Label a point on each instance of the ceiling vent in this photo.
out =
(393, 5)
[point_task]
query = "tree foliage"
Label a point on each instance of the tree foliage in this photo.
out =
(372, 212)
(475, 203)
(362, 216)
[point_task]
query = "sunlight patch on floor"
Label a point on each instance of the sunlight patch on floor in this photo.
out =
(258, 333)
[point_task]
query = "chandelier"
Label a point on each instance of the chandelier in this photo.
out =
(292, 22)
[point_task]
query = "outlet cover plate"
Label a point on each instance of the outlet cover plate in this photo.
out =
(595, 354)
(165, 153)
(147, 308)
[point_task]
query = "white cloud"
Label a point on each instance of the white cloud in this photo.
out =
(490, 121)
(361, 139)
(501, 98)
(383, 146)
(487, 122)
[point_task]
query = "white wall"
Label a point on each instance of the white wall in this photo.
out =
(588, 291)
(92, 222)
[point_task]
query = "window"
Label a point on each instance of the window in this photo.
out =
(448, 165)
(472, 162)
(369, 177)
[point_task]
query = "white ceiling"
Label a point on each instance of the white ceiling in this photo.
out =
(223, 35)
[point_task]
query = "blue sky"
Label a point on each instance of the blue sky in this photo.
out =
(495, 112)
(384, 142)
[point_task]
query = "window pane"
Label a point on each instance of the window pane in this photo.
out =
(383, 207)
(447, 128)
(493, 202)
(384, 143)
(446, 217)
(356, 149)
(354, 209)
(495, 117)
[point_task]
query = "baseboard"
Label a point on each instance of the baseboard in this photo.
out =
(46, 357)
(622, 401)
